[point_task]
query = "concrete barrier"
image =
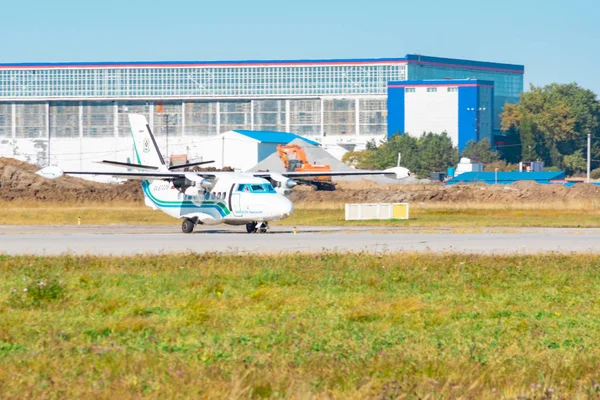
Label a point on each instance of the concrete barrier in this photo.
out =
(369, 211)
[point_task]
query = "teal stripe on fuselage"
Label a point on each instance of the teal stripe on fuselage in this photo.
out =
(184, 204)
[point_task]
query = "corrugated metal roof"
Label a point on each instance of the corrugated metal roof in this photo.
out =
(274, 137)
(507, 177)
(410, 58)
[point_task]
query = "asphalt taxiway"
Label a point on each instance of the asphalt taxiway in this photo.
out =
(129, 240)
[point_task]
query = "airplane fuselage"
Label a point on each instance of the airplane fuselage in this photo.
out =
(236, 201)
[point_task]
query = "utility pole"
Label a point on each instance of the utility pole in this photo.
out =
(589, 156)
(166, 120)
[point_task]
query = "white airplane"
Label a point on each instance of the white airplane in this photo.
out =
(208, 198)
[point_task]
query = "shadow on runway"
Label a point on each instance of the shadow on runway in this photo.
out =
(244, 233)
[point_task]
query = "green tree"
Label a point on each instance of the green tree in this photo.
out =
(480, 152)
(429, 153)
(559, 118)
(371, 145)
(528, 140)
(510, 148)
(575, 162)
(404, 144)
(436, 154)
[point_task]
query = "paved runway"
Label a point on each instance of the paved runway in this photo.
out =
(125, 240)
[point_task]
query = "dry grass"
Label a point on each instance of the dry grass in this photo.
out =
(296, 326)
(38, 213)
(584, 205)
(583, 213)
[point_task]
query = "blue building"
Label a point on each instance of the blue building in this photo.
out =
(463, 108)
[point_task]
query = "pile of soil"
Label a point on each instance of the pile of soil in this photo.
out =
(523, 192)
(20, 183)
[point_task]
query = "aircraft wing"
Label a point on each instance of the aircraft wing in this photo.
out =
(55, 172)
(332, 173)
(397, 173)
(130, 175)
(149, 167)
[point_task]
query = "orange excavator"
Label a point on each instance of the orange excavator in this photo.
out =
(294, 159)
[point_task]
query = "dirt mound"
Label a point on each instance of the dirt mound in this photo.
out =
(19, 182)
(522, 192)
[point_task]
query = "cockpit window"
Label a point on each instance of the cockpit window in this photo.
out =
(256, 188)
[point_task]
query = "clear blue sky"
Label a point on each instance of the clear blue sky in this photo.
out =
(556, 40)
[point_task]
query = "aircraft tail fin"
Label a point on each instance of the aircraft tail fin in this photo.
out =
(145, 146)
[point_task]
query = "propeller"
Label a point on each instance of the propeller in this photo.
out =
(199, 180)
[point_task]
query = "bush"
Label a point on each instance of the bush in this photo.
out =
(595, 173)
(37, 293)
(552, 169)
(502, 166)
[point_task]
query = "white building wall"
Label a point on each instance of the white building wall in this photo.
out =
(431, 112)
(72, 154)
(241, 152)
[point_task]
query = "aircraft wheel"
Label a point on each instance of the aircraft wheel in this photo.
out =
(264, 227)
(187, 226)
(251, 227)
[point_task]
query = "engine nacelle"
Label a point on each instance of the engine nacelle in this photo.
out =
(400, 172)
(50, 172)
(282, 184)
(199, 181)
(182, 184)
(194, 191)
(197, 185)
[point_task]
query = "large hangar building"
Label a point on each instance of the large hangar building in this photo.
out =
(70, 114)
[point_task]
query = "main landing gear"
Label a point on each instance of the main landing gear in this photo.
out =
(187, 226)
(253, 227)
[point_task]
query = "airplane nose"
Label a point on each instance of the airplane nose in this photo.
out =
(285, 207)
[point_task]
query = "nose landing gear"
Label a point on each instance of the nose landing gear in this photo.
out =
(253, 227)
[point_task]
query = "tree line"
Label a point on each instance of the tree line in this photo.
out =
(548, 124)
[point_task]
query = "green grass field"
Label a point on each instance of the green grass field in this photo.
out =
(463, 216)
(298, 326)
